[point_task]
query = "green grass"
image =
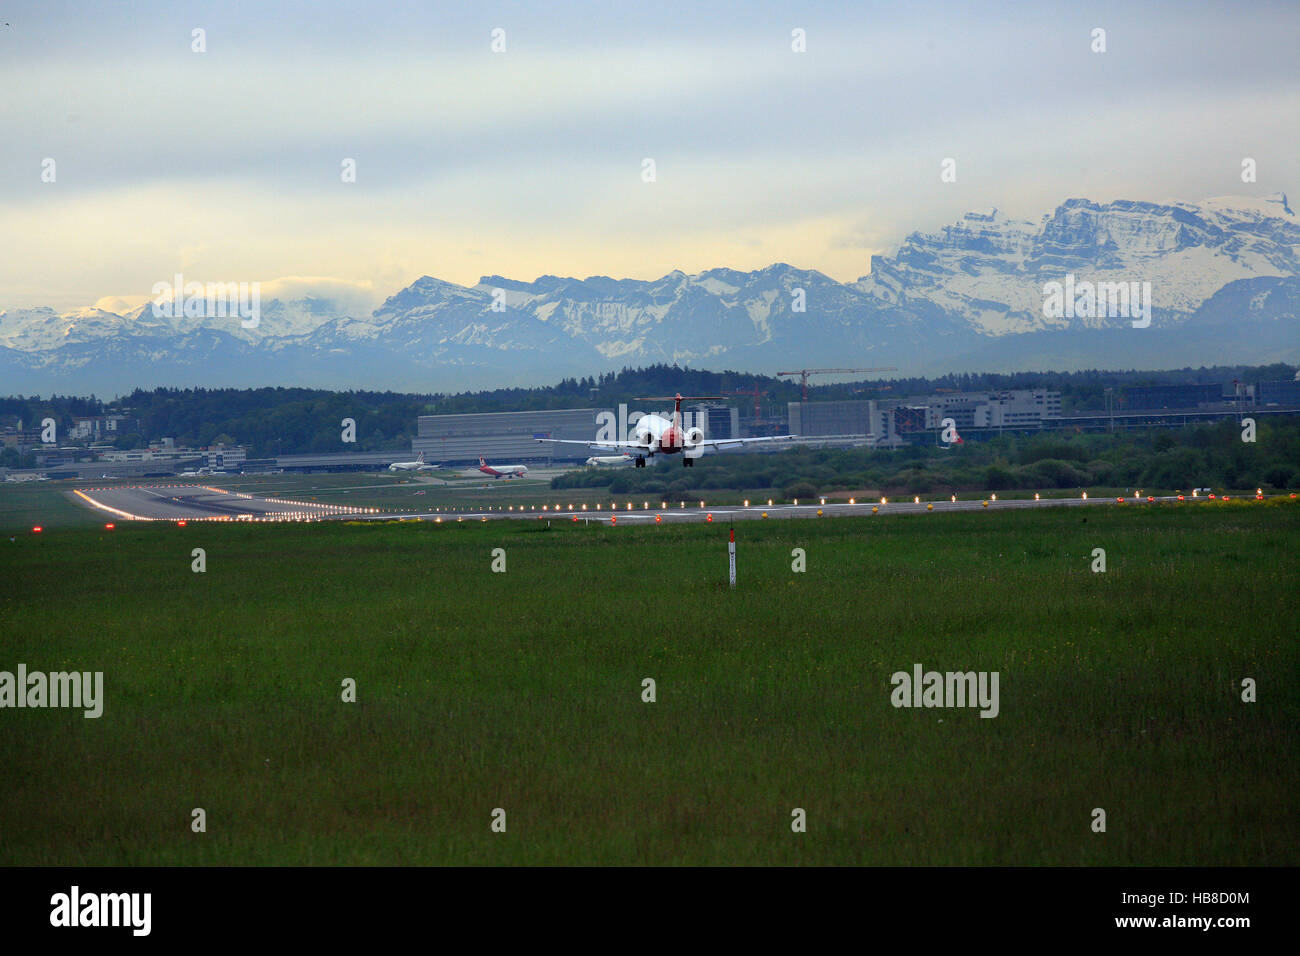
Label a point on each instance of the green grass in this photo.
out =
(522, 690)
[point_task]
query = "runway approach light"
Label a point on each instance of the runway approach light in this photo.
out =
(823, 501)
(110, 526)
(883, 501)
(1035, 496)
(994, 497)
(708, 517)
(746, 502)
(584, 506)
(37, 530)
(663, 504)
(852, 501)
(613, 519)
(701, 504)
(1085, 496)
(1151, 498)
(796, 502)
(659, 519)
(1181, 498)
(769, 504)
(916, 499)
(953, 499)
(181, 523)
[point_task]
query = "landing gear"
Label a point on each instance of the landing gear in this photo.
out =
(688, 462)
(640, 461)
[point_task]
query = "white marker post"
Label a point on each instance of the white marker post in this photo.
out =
(731, 556)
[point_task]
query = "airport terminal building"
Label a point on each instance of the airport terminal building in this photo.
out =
(889, 421)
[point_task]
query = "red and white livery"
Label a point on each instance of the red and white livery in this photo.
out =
(656, 435)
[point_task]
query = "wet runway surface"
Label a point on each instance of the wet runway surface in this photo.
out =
(205, 502)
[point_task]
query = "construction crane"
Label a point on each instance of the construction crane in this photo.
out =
(757, 392)
(803, 374)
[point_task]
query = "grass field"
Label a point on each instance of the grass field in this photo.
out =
(523, 690)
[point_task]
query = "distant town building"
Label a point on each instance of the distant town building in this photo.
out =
(101, 428)
(225, 457)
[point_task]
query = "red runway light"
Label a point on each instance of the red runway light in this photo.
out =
(709, 518)
(1181, 498)
(109, 526)
(613, 519)
(659, 519)
(37, 529)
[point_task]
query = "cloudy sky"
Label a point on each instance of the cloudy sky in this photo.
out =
(226, 165)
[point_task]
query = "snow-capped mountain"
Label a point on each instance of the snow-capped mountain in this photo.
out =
(1223, 274)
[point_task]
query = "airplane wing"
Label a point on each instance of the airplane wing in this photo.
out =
(712, 444)
(620, 447)
(717, 444)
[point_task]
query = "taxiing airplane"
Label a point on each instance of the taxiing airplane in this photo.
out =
(502, 471)
(417, 465)
(608, 461)
(656, 435)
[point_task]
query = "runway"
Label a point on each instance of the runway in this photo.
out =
(203, 503)
(209, 503)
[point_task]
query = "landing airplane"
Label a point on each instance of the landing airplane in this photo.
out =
(417, 465)
(659, 436)
(502, 471)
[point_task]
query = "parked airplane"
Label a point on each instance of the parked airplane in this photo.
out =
(502, 471)
(656, 435)
(417, 465)
(608, 461)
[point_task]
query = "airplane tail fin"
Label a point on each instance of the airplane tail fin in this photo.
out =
(420, 458)
(481, 462)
